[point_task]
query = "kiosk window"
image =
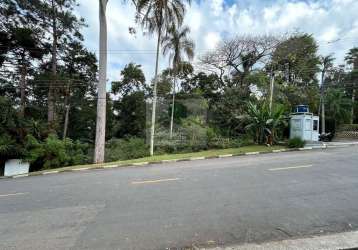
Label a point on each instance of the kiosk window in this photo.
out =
(315, 125)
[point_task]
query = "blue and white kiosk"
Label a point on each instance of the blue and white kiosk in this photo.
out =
(304, 124)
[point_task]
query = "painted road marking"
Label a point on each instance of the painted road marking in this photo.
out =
(153, 181)
(288, 168)
(14, 194)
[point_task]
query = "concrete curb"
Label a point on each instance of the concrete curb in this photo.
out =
(139, 164)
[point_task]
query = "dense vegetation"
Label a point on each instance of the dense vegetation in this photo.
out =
(48, 90)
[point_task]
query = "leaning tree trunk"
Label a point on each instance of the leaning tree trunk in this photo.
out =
(101, 101)
(50, 95)
(154, 104)
(173, 108)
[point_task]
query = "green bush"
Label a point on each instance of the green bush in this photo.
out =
(125, 149)
(165, 145)
(53, 152)
(296, 143)
(9, 148)
(222, 143)
(196, 133)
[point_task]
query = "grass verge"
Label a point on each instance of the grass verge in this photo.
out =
(169, 157)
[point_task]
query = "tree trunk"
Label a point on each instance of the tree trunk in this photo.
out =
(154, 105)
(323, 122)
(353, 100)
(172, 114)
(23, 89)
(67, 107)
(50, 95)
(101, 102)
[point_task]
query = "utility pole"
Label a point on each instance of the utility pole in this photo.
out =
(323, 122)
(67, 107)
(172, 111)
(353, 100)
(272, 83)
(102, 75)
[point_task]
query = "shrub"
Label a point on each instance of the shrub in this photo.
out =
(77, 152)
(178, 143)
(296, 143)
(8, 148)
(196, 133)
(125, 149)
(222, 143)
(54, 152)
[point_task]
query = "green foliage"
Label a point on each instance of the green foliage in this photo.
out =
(223, 143)
(54, 152)
(192, 135)
(297, 56)
(262, 122)
(8, 148)
(131, 115)
(225, 111)
(195, 132)
(177, 44)
(133, 79)
(337, 106)
(164, 85)
(124, 149)
(296, 143)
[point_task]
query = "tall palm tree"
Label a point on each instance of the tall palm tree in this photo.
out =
(327, 64)
(352, 58)
(157, 16)
(102, 75)
(178, 45)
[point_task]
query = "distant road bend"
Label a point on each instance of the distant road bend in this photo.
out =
(203, 203)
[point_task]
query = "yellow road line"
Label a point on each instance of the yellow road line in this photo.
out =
(288, 168)
(6, 195)
(153, 181)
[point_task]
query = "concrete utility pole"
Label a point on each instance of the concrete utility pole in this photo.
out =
(102, 76)
(67, 108)
(353, 100)
(272, 84)
(154, 104)
(323, 125)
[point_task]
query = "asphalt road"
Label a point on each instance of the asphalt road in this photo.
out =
(170, 206)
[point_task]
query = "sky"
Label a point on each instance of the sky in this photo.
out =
(333, 23)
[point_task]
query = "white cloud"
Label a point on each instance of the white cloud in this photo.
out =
(329, 34)
(212, 20)
(211, 40)
(217, 6)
